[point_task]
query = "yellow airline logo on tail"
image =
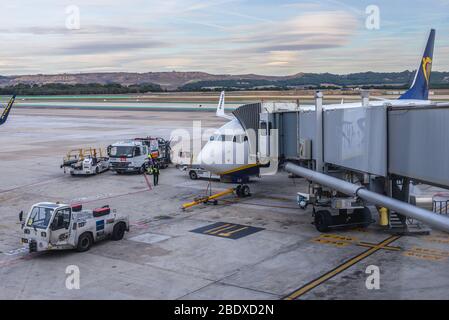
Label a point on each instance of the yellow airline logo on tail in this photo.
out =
(427, 68)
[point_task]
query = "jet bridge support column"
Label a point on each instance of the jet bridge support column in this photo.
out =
(319, 164)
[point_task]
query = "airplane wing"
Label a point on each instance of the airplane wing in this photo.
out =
(221, 106)
(5, 113)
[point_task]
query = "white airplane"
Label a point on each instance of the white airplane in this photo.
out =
(227, 152)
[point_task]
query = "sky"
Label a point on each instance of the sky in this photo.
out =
(269, 37)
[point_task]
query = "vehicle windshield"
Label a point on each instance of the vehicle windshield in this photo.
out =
(40, 217)
(118, 152)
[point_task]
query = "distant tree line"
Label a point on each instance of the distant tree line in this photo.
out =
(366, 80)
(78, 89)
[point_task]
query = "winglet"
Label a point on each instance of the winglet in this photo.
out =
(5, 113)
(420, 87)
(221, 106)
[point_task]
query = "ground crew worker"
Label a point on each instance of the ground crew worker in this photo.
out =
(156, 174)
(150, 161)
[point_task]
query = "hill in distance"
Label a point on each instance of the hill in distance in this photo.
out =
(197, 81)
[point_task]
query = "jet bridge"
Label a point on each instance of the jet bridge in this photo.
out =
(406, 141)
(377, 146)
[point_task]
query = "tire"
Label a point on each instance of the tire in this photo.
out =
(85, 241)
(193, 175)
(323, 221)
(97, 170)
(364, 216)
(246, 192)
(238, 191)
(119, 231)
(142, 169)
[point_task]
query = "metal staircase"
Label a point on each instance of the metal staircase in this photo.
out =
(400, 224)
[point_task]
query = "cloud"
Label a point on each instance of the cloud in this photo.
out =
(51, 30)
(96, 47)
(219, 36)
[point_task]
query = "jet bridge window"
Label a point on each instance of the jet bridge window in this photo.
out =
(265, 128)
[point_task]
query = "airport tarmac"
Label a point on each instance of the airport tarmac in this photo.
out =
(262, 247)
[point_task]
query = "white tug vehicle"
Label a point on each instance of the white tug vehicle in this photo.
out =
(85, 162)
(55, 226)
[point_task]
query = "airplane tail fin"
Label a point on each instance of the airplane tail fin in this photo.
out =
(5, 113)
(221, 106)
(420, 87)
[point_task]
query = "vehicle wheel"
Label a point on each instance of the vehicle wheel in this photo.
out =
(364, 216)
(85, 241)
(142, 169)
(238, 191)
(193, 175)
(119, 231)
(97, 170)
(323, 220)
(246, 192)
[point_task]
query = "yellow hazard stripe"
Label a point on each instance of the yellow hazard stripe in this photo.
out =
(248, 166)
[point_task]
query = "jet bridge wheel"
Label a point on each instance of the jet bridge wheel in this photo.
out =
(323, 220)
(364, 216)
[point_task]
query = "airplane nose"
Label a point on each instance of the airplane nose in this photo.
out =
(206, 156)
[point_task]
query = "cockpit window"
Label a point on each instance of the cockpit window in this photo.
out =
(40, 217)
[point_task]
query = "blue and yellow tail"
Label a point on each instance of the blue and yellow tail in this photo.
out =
(5, 114)
(420, 87)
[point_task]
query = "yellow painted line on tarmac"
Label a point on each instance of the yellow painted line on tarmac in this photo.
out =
(216, 228)
(346, 265)
(228, 234)
(221, 230)
(427, 254)
(373, 245)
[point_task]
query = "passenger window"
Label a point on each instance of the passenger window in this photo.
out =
(137, 152)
